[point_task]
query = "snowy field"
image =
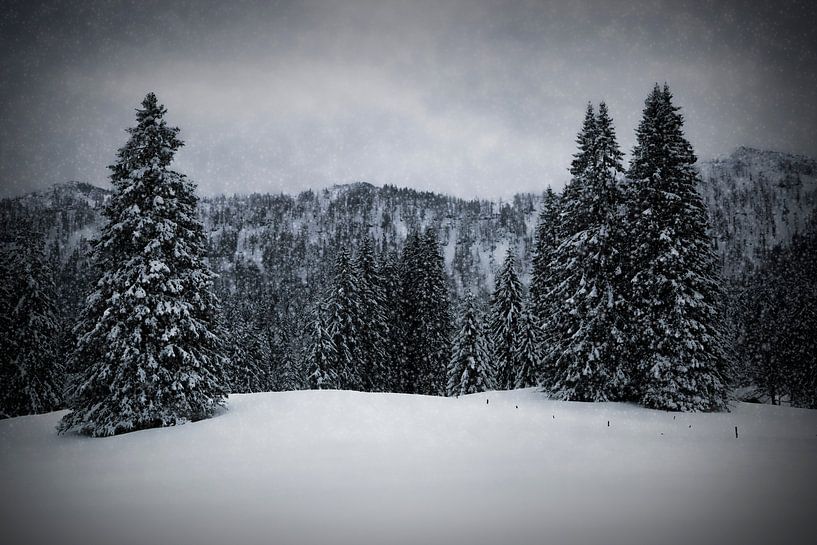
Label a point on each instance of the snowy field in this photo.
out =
(356, 468)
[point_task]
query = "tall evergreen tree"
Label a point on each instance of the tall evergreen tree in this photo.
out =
(528, 351)
(409, 315)
(470, 370)
(375, 328)
(389, 272)
(322, 357)
(571, 221)
(587, 328)
(439, 324)
(345, 322)
(30, 370)
(546, 243)
(424, 316)
(505, 316)
(146, 339)
(676, 295)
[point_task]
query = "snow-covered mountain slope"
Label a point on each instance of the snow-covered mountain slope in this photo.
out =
(355, 468)
(756, 200)
(69, 213)
(68, 195)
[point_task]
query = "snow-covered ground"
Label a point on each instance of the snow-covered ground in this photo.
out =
(355, 468)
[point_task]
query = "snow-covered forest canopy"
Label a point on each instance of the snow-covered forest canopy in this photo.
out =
(666, 282)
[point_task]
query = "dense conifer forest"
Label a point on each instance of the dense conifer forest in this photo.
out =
(665, 282)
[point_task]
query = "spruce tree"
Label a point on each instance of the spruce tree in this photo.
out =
(147, 340)
(375, 329)
(470, 370)
(676, 295)
(388, 270)
(528, 351)
(322, 357)
(570, 223)
(30, 370)
(541, 283)
(345, 323)
(425, 316)
(438, 325)
(409, 315)
(585, 356)
(505, 316)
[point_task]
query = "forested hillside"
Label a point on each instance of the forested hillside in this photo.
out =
(757, 200)
(275, 253)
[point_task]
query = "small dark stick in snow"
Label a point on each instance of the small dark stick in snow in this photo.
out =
(736, 432)
(486, 401)
(608, 423)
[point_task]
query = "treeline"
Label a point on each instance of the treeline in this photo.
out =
(778, 329)
(384, 325)
(31, 369)
(625, 299)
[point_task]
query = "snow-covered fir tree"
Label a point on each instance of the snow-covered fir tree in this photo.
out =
(30, 370)
(322, 356)
(248, 354)
(439, 324)
(677, 319)
(504, 322)
(585, 355)
(389, 272)
(547, 229)
(147, 341)
(425, 317)
(470, 370)
(528, 350)
(345, 323)
(570, 223)
(373, 336)
(282, 330)
(409, 318)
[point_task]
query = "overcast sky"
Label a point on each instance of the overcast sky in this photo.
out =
(472, 98)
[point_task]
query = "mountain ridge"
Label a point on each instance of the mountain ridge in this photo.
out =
(756, 199)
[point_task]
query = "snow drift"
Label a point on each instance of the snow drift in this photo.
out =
(346, 467)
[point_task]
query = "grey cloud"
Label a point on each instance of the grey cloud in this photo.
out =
(474, 98)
